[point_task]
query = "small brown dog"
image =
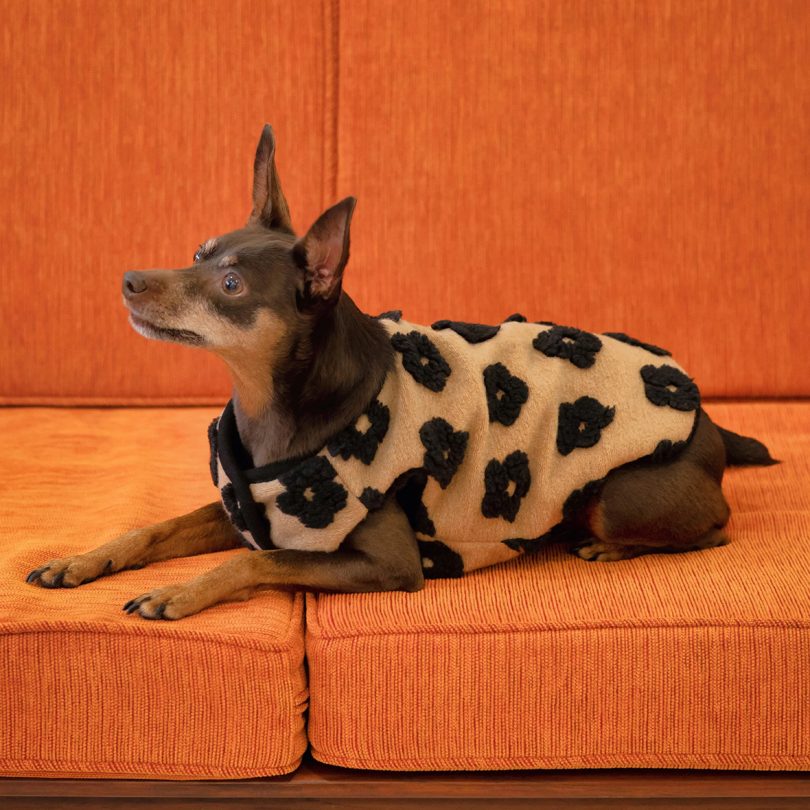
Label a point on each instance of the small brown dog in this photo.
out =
(317, 381)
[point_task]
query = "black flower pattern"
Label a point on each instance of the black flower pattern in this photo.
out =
(312, 495)
(372, 498)
(439, 561)
(394, 315)
(580, 423)
(648, 347)
(471, 332)
(578, 347)
(501, 477)
(212, 443)
(506, 394)
(667, 385)
(362, 444)
(421, 359)
(515, 317)
(570, 529)
(231, 505)
(444, 449)
(667, 450)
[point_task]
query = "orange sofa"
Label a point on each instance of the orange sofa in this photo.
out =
(632, 167)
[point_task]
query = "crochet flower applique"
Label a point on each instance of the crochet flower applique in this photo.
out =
(667, 385)
(394, 315)
(580, 423)
(372, 498)
(439, 561)
(506, 394)
(471, 332)
(421, 359)
(231, 505)
(506, 484)
(312, 495)
(362, 443)
(444, 449)
(578, 347)
(648, 347)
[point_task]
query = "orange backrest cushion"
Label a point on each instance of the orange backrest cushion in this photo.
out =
(629, 167)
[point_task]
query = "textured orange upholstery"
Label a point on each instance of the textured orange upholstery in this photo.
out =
(620, 166)
(698, 660)
(128, 132)
(89, 691)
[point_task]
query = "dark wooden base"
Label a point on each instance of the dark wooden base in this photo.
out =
(315, 785)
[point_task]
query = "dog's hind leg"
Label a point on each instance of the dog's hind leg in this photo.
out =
(650, 507)
(381, 554)
(199, 532)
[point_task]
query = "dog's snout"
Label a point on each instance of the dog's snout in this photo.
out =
(134, 283)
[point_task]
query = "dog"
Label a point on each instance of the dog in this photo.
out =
(311, 478)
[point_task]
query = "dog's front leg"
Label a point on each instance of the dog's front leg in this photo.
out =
(381, 554)
(203, 530)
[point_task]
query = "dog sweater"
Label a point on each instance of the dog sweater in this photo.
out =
(491, 436)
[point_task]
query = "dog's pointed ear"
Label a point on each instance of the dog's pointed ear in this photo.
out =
(269, 206)
(323, 252)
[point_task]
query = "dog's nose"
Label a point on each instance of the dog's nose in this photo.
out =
(134, 283)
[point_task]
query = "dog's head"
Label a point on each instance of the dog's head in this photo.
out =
(251, 291)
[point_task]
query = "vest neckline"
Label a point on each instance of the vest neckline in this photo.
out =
(237, 460)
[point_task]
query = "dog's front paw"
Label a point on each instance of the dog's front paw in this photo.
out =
(70, 572)
(171, 602)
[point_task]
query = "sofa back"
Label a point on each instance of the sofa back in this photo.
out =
(637, 167)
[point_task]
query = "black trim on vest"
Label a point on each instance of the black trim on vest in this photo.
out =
(234, 458)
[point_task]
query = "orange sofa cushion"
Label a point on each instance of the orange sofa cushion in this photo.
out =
(89, 691)
(621, 167)
(698, 660)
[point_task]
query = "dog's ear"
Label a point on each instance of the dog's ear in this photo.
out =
(323, 252)
(269, 206)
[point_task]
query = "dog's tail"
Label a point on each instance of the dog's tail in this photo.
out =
(743, 450)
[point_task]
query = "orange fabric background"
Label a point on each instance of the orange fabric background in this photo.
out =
(695, 660)
(634, 166)
(87, 690)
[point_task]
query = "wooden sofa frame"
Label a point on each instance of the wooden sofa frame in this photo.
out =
(315, 785)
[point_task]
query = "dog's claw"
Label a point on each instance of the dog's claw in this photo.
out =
(134, 604)
(36, 573)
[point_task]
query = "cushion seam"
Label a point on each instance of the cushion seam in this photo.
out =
(422, 630)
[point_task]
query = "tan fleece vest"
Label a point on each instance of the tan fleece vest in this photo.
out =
(489, 434)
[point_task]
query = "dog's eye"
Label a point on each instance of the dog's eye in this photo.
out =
(198, 254)
(232, 283)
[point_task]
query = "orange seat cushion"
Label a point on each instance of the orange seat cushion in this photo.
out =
(698, 660)
(90, 691)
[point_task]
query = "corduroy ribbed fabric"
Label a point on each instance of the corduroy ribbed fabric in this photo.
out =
(128, 132)
(87, 690)
(698, 660)
(631, 166)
